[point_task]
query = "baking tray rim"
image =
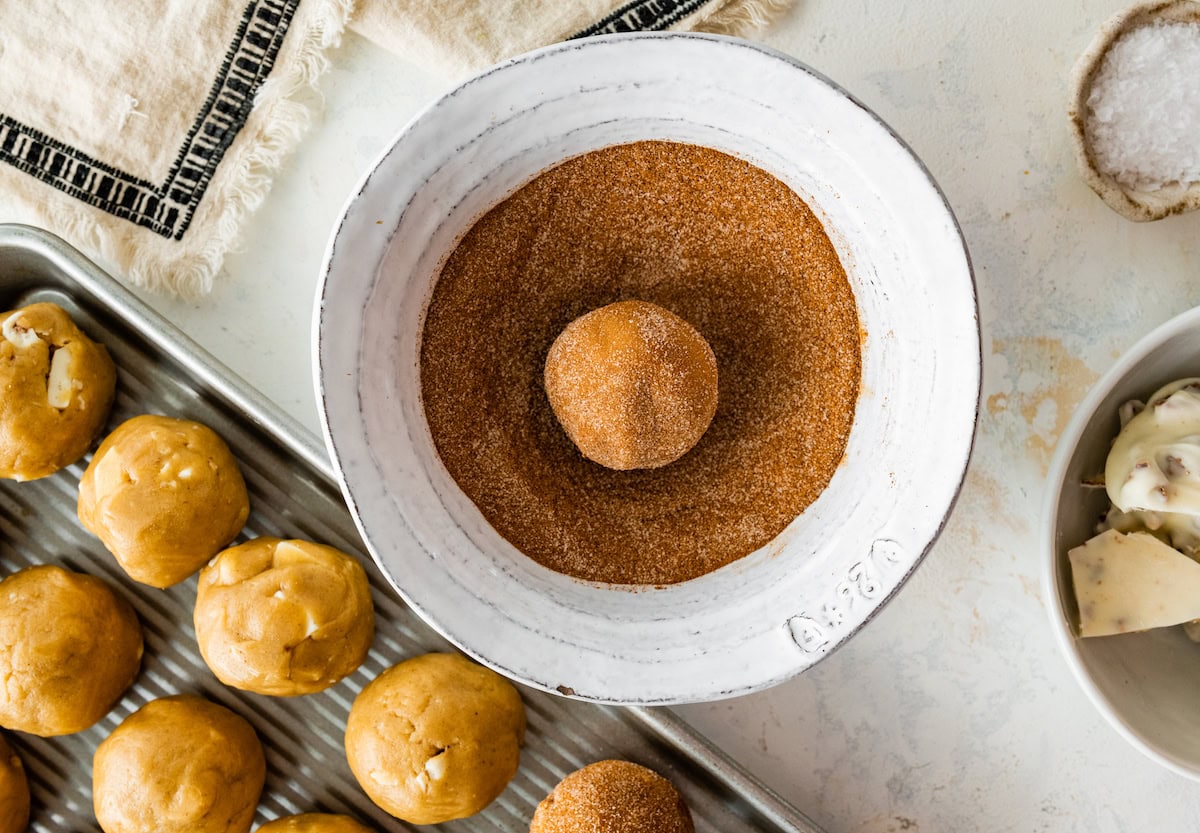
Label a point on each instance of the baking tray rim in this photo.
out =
(73, 271)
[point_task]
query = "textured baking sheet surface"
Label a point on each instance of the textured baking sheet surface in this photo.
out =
(292, 496)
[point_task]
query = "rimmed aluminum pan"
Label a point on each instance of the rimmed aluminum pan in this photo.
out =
(292, 494)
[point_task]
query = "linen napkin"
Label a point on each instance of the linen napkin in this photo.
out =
(459, 36)
(146, 131)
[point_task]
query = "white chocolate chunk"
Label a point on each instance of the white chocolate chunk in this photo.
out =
(59, 384)
(21, 337)
(1175, 528)
(1133, 582)
(436, 766)
(1154, 463)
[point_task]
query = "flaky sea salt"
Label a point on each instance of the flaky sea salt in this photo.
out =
(1143, 120)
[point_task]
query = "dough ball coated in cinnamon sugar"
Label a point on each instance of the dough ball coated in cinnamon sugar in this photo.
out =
(632, 384)
(613, 797)
(435, 738)
(58, 388)
(69, 648)
(283, 617)
(14, 792)
(314, 823)
(178, 765)
(164, 495)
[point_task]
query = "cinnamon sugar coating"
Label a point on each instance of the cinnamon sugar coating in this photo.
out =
(613, 797)
(632, 384)
(721, 243)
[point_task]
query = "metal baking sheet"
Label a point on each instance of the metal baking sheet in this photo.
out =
(293, 494)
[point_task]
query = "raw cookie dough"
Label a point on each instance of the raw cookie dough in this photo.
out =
(14, 792)
(283, 617)
(615, 797)
(164, 495)
(178, 765)
(69, 648)
(435, 738)
(632, 384)
(314, 823)
(58, 387)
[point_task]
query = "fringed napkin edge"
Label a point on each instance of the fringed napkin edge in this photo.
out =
(285, 107)
(740, 17)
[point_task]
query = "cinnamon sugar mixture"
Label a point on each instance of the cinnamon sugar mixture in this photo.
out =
(717, 241)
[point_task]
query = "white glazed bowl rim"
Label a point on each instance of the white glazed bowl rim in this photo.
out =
(1064, 635)
(901, 565)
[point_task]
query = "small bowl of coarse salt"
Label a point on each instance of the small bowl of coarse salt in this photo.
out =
(1135, 110)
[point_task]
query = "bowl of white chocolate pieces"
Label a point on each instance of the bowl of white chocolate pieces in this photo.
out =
(1121, 531)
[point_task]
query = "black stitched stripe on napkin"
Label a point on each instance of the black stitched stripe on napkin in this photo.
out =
(643, 15)
(165, 208)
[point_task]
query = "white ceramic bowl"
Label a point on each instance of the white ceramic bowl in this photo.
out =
(1145, 684)
(775, 612)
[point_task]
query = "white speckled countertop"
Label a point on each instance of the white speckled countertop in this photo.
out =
(951, 711)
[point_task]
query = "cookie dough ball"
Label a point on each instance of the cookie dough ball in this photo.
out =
(632, 384)
(313, 823)
(58, 388)
(435, 738)
(616, 797)
(69, 648)
(14, 792)
(164, 495)
(283, 617)
(178, 765)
